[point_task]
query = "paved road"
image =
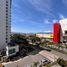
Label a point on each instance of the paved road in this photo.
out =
(24, 62)
(64, 56)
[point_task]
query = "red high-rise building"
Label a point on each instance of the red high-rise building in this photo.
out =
(57, 31)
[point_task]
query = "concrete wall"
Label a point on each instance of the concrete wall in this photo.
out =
(4, 25)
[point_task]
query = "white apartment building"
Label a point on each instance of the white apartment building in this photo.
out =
(5, 22)
(63, 24)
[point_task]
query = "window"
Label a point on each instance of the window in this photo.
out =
(6, 21)
(11, 51)
(6, 16)
(6, 26)
(6, 7)
(6, 38)
(6, 13)
(6, 10)
(6, 4)
(6, 32)
(66, 32)
(6, 41)
(6, 1)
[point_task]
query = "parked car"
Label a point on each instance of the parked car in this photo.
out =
(45, 61)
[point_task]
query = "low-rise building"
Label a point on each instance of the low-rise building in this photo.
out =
(45, 35)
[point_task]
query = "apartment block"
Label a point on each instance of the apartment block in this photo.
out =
(5, 22)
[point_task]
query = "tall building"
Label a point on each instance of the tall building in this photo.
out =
(57, 29)
(60, 31)
(63, 24)
(5, 22)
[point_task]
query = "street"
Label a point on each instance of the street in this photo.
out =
(64, 56)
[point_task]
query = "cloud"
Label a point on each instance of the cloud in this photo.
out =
(16, 6)
(26, 20)
(21, 9)
(47, 31)
(46, 21)
(61, 16)
(54, 21)
(44, 6)
(22, 20)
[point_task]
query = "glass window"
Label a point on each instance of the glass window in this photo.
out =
(12, 51)
(66, 32)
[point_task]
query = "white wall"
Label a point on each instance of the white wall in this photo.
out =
(63, 24)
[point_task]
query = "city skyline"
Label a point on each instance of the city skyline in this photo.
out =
(36, 15)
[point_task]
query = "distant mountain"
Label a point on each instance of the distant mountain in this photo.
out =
(31, 33)
(17, 33)
(44, 33)
(22, 33)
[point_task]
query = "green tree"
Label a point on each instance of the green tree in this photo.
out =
(35, 64)
(62, 62)
(19, 39)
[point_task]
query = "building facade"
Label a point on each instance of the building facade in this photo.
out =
(45, 35)
(60, 31)
(63, 24)
(5, 22)
(57, 29)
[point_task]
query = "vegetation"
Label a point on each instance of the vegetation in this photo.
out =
(51, 64)
(27, 43)
(59, 50)
(19, 39)
(62, 62)
(35, 64)
(57, 47)
(59, 61)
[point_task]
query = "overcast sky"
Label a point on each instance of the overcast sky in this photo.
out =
(37, 15)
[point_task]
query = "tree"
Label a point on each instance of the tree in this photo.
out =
(35, 39)
(19, 39)
(35, 64)
(62, 62)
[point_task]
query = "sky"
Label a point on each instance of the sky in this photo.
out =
(32, 16)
